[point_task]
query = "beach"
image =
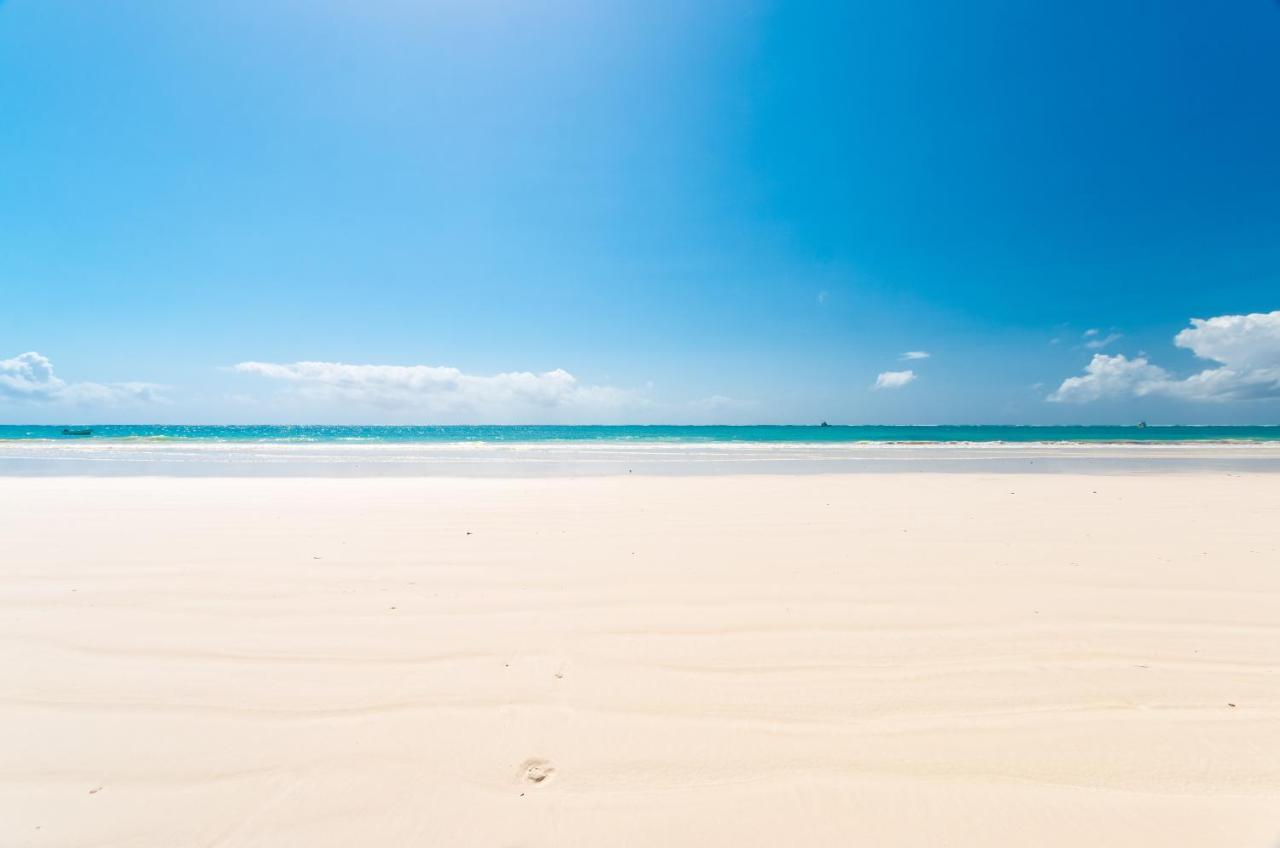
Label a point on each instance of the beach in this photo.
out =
(713, 659)
(639, 425)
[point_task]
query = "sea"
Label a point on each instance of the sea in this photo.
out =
(549, 450)
(803, 434)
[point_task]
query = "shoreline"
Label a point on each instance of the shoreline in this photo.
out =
(196, 458)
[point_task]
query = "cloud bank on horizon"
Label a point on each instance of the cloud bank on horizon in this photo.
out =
(1247, 348)
(444, 390)
(508, 397)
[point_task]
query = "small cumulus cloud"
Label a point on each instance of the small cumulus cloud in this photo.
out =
(30, 377)
(823, 297)
(894, 379)
(1246, 348)
(916, 354)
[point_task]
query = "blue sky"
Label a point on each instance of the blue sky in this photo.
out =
(600, 211)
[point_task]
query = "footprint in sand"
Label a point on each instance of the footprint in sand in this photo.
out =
(535, 771)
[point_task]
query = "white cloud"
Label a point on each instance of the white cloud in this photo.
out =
(916, 354)
(1107, 376)
(1247, 348)
(446, 391)
(823, 297)
(894, 379)
(1097, 342)
(29, 377)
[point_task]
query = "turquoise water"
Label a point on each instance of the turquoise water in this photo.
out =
(651, 433)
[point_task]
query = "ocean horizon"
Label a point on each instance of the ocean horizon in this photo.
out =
(671, 433)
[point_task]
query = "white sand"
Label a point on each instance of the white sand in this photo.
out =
(880, 660)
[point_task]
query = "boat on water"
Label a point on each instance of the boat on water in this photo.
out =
(68, 431)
